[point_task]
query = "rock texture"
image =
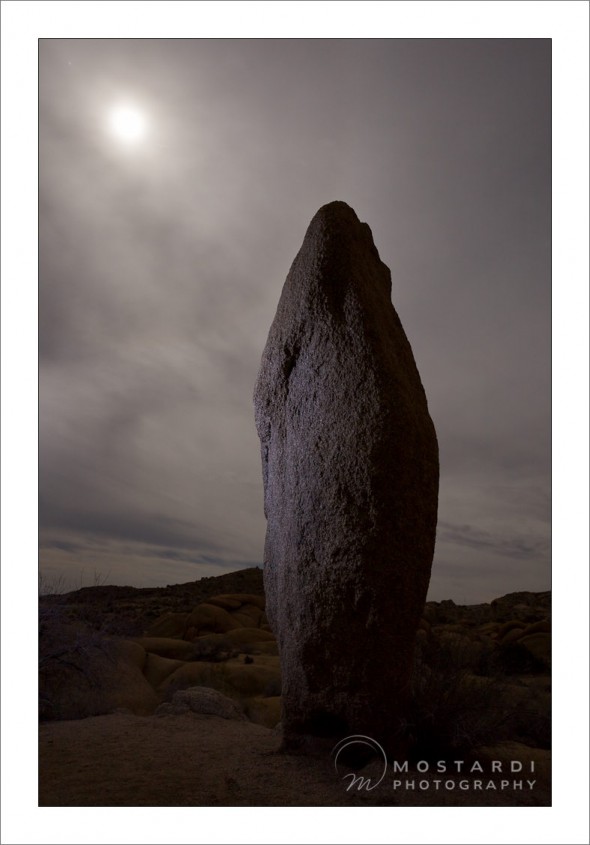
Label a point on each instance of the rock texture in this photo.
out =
(201, 700)
(350, 469)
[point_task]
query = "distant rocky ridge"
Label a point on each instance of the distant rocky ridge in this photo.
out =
(131, 610)
(123, 610)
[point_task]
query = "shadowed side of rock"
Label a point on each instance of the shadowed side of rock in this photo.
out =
(350, 470)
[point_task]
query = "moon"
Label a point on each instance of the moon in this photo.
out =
(128, 124)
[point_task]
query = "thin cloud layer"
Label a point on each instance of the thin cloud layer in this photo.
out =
(161, 267)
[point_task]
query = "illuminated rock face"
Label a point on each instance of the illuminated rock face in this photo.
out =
(350, 469)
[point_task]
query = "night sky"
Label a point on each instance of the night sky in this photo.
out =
(162, 258)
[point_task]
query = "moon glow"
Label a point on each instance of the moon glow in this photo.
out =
(127, 124)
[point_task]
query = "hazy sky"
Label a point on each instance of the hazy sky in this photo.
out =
(162, 262)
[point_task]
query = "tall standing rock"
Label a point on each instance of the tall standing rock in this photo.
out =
(350, 470)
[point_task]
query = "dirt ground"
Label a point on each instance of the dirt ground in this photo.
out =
(123, 760)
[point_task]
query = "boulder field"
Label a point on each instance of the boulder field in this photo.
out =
(503, 647)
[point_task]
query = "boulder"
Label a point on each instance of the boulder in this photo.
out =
(539, 646)
(247, 681)
(226, 602)
(489, 628)
(248, 615)
(167, 647)
(269, 647)
(208, 618)
(261, 660)
(231, 601)
(221, 646)
(157, 668)
(168, 625)
(210, 702)
(246, 636)
(350, 472)
(512, 636)
(507, 627)
(264, 711)
(451, 629)
(200, 673)
(236, 680)
(541, 627)
(213, 647)
(133, 653)
(95, 677)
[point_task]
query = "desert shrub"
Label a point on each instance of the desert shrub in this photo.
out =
(452, 708)
(52, 585)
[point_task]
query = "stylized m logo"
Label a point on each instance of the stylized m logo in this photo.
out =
(358, 780)
(362, 782)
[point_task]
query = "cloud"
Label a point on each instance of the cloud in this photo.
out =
(519, 547)
(160, 274)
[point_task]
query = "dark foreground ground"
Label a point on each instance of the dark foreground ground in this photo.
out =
(194, 760)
